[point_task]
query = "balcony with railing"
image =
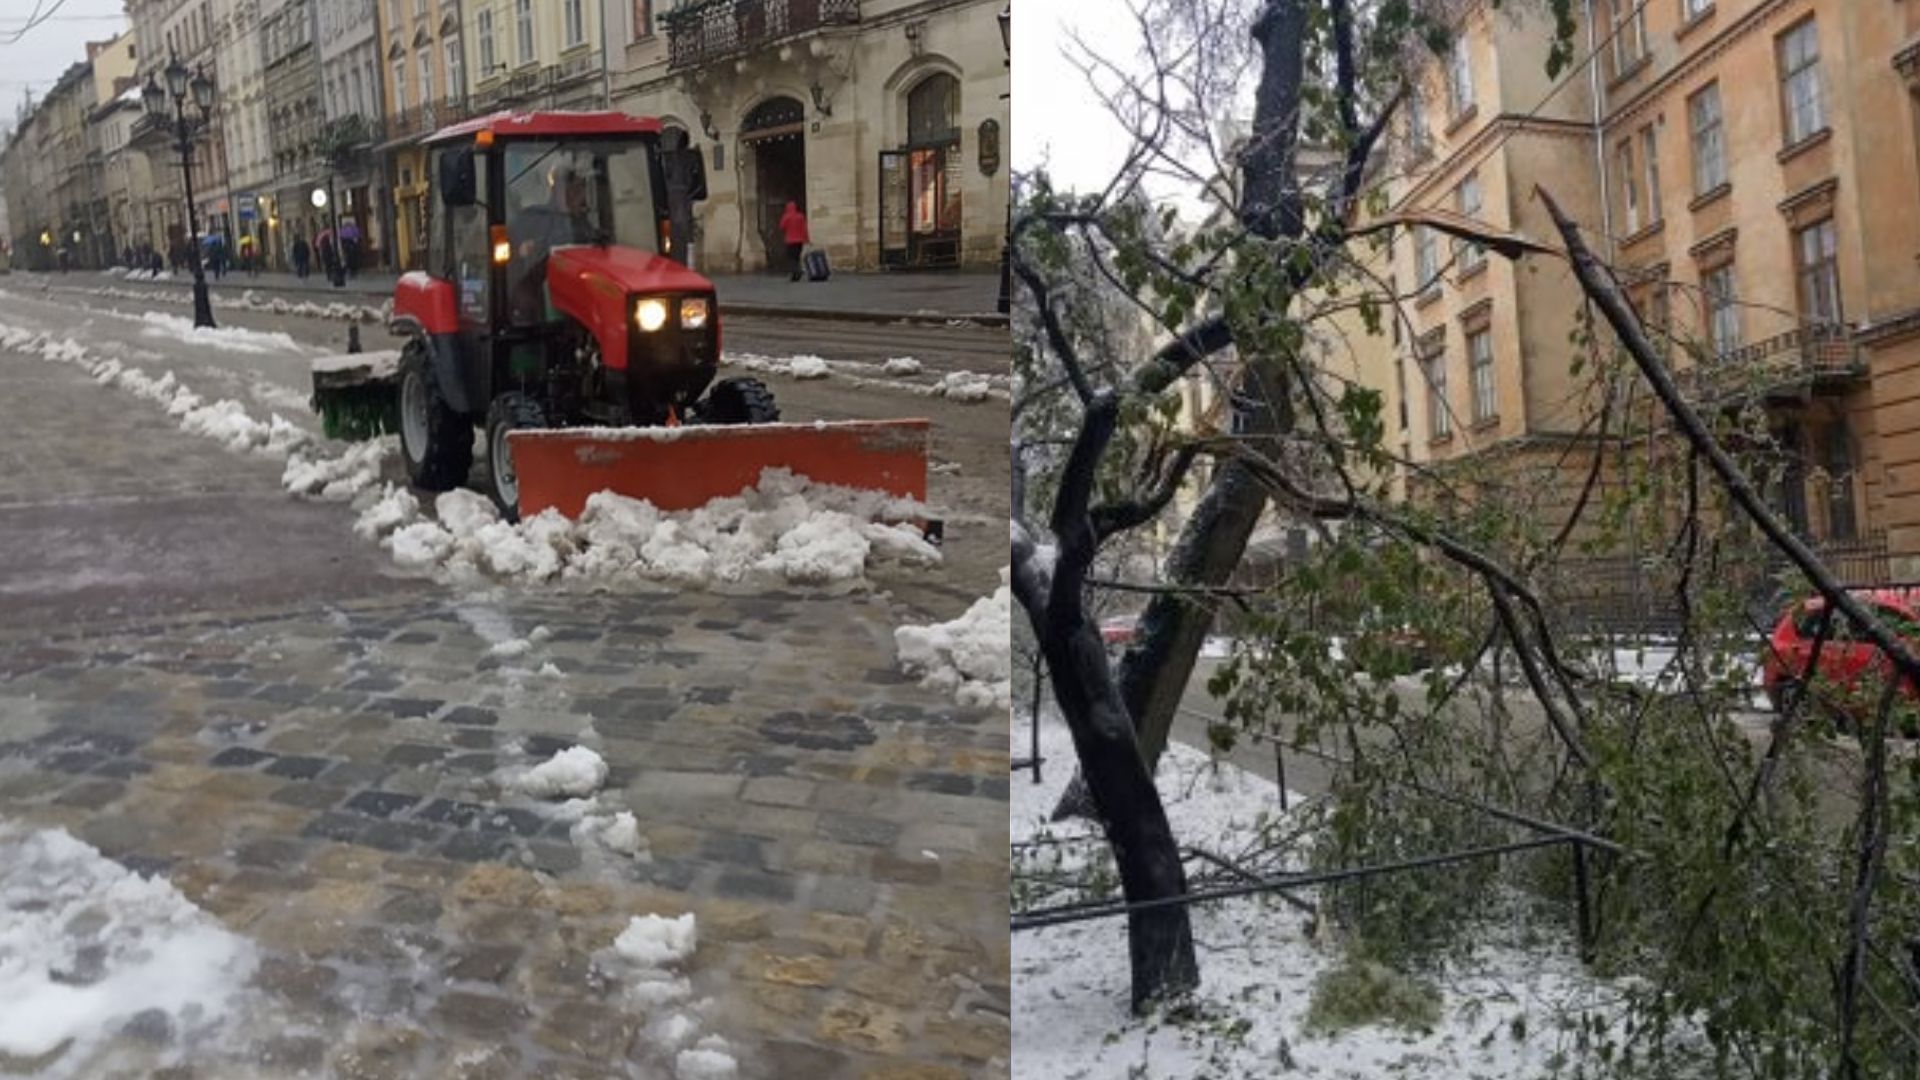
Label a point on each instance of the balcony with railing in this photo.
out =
(710, 30)
(423, 120)
(1800, 362)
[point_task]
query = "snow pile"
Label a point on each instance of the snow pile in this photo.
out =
(87, 946)
(967, 386)
(1502, 1007)
(139, 274)
(395, 506)
(650, 957)
(901, 365)
(808, 367)
(787, 529)
(803, 366)
(617, 832)
(341, 477)
(573, 772)
(231, 338)
(969, 656)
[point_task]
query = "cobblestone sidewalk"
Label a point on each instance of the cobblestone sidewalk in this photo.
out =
(326, 783)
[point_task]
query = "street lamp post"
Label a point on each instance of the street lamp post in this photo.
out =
(180, 84)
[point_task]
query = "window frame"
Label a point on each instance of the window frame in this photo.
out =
(1459, 77)
(1721, 302)
(1650, 169)
(1632, 14)
(483, 22)
(524, 53)
(1791, 75)
(1433, 369)
(573, 24)
(1629, 184)
(1716, 130)
(1818, 274)
(1426, 261)
(1480, 375)
(1469, 255)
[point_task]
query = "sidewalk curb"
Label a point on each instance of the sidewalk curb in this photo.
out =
(750, 309)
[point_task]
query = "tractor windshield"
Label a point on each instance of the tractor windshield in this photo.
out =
(579, 191)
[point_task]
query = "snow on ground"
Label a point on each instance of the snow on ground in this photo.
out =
(571, 773)
(968, 656)
(88, 948)
(650, 959)
(963, 386)
(803, 366)
(250, 300)
(901, 365)
(787, 529)
(231, 338)
(1258, 967)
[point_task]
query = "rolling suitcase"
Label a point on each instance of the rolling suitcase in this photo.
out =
(815, 264)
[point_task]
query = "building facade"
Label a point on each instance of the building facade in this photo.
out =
(294, 121)
(532, 54)
(349, 55)
(883, 120)
(1719, 153)
(241, 114)
(424, 51)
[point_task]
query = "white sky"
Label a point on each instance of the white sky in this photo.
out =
(34, 63)
(1057, 118)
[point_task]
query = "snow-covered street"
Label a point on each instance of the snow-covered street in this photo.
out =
(412, 800)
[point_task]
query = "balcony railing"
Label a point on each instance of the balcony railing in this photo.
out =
(711, 30)
(1796, 362)
(423, 120)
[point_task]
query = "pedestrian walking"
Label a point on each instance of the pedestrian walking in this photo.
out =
(302, 257)
(350, 246)
(793, 227)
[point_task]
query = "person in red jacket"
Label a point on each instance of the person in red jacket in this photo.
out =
(793, 226)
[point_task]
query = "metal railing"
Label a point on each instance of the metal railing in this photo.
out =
(715, 29)
(1796, 360)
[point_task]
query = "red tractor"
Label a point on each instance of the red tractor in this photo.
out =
(552, 299)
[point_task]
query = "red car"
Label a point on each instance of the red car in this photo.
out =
(1119, 630)
(1846, 658)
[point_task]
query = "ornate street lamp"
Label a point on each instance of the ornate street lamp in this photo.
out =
(182, 86)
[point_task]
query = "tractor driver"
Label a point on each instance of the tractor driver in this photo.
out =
(563, 219)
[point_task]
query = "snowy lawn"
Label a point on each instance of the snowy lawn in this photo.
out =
(1499, 1012)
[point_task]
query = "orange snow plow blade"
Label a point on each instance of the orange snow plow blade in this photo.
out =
(679, 468)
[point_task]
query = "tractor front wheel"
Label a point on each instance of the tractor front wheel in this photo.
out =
(436, 441)
(739, 401)
(510, 412)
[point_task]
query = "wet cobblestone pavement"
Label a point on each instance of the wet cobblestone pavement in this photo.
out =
(327, 786)
(223, 688)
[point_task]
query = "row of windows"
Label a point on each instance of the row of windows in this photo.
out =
(1816, 269)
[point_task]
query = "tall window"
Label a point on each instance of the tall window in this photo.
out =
(1466, 199)
(400, 86)
(1433, 364)
(642, 19)
(1800, 100)
(1629, 186)
(1480, 374)
(574, 21)
(1709, 146)
(456, 69)
(485, 25)
(1460, 76)
(1723, 309)
(1629, 34)
(1426, 259)
(424, 60)
(523, 28)
(1418, 140)
(1650, 162)
(1839, 467)
(1819, 273)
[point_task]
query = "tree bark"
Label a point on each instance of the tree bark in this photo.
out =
(1118, 781)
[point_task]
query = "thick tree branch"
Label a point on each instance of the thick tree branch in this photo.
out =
(1111, 519)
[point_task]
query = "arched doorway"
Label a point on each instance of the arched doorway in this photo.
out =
(933, 171)
(775, 134)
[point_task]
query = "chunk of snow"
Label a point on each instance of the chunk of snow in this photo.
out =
(340, 477)
(809, 367)
(574, 771)
(705, 1063)
(901, 365)
(512, 647)
(86, 945)
(964, 386)
(968, 656)
(618, 832)
(229, 338)
(395, 508)
(654, 941)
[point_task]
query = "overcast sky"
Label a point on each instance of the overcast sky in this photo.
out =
(35, 61)
(1057, 119)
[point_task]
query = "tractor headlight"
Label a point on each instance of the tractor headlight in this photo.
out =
(650, 314)
(693, 313)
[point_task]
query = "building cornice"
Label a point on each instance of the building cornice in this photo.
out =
(1473, 152)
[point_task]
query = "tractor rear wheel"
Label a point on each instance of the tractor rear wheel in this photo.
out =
(435, 441)
(740, 401)
(510, 413)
